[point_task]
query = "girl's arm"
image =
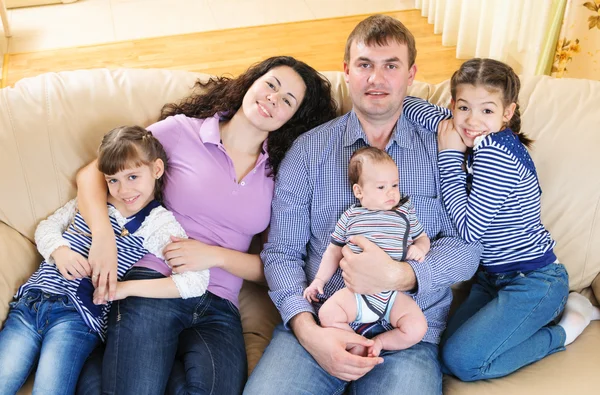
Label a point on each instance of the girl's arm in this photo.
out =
(49, 232)
(423, 113)
(185, 285)
(495, 176)
(91, 198)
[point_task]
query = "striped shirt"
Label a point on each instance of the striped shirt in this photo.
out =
(392, 230)
(142, 228)
(503, 209)
(312, 191)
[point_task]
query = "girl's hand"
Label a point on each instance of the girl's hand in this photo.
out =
(71, 264)
(310, 293)
(122, 292)
(185, 255)
(448, 137)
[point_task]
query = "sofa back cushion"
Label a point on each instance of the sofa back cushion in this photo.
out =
(51, 125)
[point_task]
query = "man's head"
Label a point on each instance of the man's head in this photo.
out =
(379, 66)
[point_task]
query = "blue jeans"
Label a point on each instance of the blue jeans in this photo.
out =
(506, 323)
(287, 368)
(47, 330)
(177, 346)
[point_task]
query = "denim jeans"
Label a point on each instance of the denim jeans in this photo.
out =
(177, 346)
(46, 330)
(506, 323)
(287, 368)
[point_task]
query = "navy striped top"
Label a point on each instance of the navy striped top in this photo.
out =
(130, 249)
(502, 209)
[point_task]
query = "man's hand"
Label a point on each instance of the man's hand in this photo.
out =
(103, 261)
(414, 253)
(310, 293)
(448, 137)
(328, 346)
(184, 255)
(71, 264)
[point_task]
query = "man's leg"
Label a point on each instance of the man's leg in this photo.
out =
(211, 357)
(517, 318)
(287, 368)
(20, 346)
(414, 371)
(90, 378)
(67, 343)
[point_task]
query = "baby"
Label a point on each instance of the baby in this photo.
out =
(389, 221)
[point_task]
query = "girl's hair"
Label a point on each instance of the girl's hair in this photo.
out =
(224, 95)
(131, 146)
(493, 75)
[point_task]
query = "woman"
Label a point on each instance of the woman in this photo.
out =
(224, 147)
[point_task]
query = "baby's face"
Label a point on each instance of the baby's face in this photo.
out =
(377, 188)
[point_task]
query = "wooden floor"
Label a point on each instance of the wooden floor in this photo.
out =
(320, 43)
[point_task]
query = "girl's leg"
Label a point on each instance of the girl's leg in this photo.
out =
(510, 331)
(211, 357)
(68, 341)
(578, 313)
(20, 345)
(142, 341)
(339, 310)
(409, 325)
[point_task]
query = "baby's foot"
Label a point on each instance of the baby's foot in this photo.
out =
(578, 313)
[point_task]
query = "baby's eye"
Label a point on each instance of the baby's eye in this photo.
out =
(395, 186)
(380, 187)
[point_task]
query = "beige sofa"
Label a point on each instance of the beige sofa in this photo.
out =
(50, 126)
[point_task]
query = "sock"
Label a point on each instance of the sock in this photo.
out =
(578, 313)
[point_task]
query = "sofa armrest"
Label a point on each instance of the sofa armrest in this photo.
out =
(259, 319)
(18, 259)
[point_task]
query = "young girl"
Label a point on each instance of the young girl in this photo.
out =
(53, 321)
(507, 320)
(391, 223)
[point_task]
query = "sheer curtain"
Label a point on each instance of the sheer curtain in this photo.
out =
(513, 31)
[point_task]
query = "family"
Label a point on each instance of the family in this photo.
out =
(369, 218)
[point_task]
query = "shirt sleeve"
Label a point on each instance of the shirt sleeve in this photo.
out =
(156, 231)
(416, 228)
(49, 233)
(423, 113)
(168, 131)
(495, 176)
(284, 254)
(338, 237)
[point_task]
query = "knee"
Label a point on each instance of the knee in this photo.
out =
(459, 360)
(326, 316)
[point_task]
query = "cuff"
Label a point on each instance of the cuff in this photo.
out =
(423, 275)
(293, 306)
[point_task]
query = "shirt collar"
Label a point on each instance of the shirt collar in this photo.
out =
(402, 134)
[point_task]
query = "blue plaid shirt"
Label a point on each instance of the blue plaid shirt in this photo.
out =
(312, 191)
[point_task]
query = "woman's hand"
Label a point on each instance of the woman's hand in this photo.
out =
(103, 261)
(448, 137)
(185, 255)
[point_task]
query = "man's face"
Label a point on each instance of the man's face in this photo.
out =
(378, 78)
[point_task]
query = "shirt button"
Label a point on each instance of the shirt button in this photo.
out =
(243, 183)
(254, 171)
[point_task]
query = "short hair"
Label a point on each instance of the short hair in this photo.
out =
(362, 155)
(378, 30)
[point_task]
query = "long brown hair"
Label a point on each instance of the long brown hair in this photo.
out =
(496, 75)
(128, 146)
(224, 95)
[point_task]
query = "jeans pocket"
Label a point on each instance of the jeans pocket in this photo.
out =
(232, 307)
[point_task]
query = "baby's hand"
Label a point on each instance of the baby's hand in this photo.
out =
(310, 293)
(415, 253)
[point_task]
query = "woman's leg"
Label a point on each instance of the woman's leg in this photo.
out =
(142, 341)
(68, 341)
(510, 331)
(211, 357)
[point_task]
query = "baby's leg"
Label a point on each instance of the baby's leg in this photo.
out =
(409, 325)
(339, 310)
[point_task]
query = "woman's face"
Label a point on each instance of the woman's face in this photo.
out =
(274, 98)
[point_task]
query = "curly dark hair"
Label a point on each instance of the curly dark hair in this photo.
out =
(496, 75)
(224, 95)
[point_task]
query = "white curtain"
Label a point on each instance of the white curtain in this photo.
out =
(513, 31)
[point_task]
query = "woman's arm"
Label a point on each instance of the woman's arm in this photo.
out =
(91, 200)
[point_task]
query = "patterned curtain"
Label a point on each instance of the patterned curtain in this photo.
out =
(578, 47)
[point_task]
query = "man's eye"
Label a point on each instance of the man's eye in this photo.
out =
(392, 66)
(363, 65)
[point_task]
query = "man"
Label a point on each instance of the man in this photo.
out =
(312, 190)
